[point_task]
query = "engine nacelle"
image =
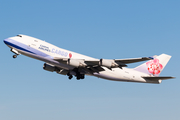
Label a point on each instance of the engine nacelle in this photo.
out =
(75, 63)
(108, 63)
(49, 67)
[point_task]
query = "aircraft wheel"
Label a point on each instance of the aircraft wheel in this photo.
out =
(70, 77)
(78, 77)
(14, 56)
(82, 76)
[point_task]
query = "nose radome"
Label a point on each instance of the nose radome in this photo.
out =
(6, 41)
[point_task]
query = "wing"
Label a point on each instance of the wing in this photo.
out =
(132, 60)
(96, 65)
(116, 62)
(86, 66)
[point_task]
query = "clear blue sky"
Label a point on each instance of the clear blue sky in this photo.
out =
(100, 29)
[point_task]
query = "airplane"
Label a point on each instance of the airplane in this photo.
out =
(69, 63)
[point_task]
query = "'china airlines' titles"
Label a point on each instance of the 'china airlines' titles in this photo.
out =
(53, 50)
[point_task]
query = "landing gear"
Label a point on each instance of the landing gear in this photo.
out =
(70, 77)
(14, 56)
(78, 76)
(16, 53)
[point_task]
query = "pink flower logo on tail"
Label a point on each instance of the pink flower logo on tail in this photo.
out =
(154, 66)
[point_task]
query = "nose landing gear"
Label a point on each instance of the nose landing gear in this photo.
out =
(14, 56)
(16, 53)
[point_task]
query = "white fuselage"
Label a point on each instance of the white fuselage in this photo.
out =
(41, 50)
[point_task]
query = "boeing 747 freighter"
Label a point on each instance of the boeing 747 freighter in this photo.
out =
(69, 63)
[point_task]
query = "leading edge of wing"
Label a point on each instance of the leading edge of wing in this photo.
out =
(133, 60)
(120, 62)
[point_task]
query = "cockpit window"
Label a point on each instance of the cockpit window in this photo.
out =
(19, 35)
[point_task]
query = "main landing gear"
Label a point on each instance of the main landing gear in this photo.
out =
(78, 76)
(70, 77)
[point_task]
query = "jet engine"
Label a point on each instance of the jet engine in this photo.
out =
(108, 63)
(75, 63)
(49, 67)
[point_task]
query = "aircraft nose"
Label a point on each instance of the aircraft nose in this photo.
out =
(7, 41)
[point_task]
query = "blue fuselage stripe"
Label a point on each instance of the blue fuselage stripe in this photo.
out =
(24, 47)
(17, 47)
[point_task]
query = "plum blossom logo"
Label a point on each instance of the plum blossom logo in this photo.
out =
(154, 66)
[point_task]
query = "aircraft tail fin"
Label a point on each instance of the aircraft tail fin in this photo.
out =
(154, 67)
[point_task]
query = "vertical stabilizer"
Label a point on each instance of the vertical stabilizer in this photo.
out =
(155, 66)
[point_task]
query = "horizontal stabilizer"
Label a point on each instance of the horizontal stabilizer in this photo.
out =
(158, 78)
